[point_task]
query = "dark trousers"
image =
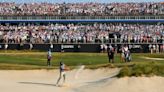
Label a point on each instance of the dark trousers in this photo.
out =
(48, 62)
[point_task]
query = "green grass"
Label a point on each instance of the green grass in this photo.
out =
(147, 69)
(23, 60)
(39, 59)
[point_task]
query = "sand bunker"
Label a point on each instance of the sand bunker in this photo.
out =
(153, 58)
(99, 80)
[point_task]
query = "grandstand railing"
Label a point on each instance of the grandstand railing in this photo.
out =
(2, 17)
(95, 41)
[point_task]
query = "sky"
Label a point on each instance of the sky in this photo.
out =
(77, 1)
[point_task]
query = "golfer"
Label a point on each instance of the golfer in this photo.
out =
(63, 68)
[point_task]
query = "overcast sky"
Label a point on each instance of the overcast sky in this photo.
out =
(76, 1)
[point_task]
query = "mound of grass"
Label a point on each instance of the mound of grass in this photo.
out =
(149, 69)
(125, 71)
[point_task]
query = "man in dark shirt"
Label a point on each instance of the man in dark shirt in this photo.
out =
(110, 51)
(49, 56)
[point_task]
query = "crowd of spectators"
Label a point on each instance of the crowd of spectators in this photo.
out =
(82, 9)
(82, 33)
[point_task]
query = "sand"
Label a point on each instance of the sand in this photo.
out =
(153, 58)
(99, 80)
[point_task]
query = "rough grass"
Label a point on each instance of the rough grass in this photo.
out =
(145, 69)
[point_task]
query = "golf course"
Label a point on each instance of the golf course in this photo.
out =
(141, 63)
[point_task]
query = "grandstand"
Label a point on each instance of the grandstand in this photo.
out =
(110, 47)
(51, 11)
(84, 25)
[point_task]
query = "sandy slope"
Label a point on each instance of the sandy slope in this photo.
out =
(99, 80)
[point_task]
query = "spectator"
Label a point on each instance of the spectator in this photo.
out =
(75, 33)
(49, 57)
(110, 52)
(81, 9)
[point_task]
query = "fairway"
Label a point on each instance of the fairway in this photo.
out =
(37, 60)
